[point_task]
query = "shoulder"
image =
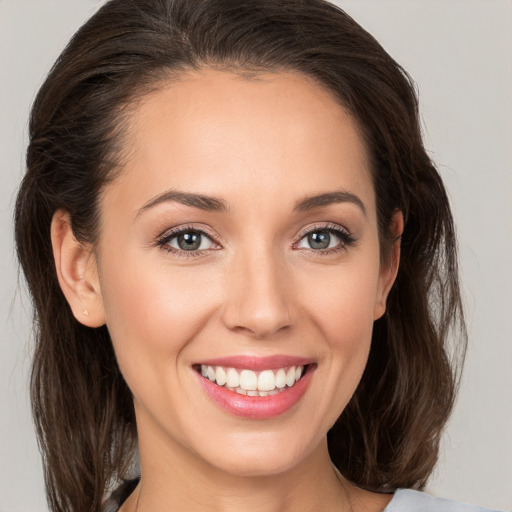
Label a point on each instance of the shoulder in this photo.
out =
(407, 500)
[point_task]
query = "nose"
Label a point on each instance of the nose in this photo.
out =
(259, 295)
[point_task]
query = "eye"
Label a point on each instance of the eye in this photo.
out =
(186, 240)
(320, 240)
(190, 241)
(325, 239)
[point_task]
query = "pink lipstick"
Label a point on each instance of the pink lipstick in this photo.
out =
(255, 387)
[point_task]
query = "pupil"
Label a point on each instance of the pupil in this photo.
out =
(319, 239)
(189, 241)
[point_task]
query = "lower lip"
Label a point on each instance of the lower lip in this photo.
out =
(257, 407)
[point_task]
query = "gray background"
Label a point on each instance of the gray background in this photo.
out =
(460, 54)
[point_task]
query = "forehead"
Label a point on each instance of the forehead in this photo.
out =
(216, 131)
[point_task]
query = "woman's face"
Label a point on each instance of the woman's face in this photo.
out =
(240, 240)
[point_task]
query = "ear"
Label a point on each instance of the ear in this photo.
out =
(77, 272)
(389, 268)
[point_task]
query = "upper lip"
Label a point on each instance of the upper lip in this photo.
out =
(257, 363)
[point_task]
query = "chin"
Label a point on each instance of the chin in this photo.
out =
(261, 455)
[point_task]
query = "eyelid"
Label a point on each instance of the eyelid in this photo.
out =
(325, 226)
(180, 228)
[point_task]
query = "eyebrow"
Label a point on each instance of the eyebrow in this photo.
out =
(341, 196)
(200, 201)
(216, 204)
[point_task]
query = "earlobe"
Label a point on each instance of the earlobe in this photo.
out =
(77, 272)
(389, 269)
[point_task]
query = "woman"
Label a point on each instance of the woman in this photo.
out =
(252, 265)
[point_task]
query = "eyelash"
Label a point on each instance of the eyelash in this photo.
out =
(163, 242)
(345, 237)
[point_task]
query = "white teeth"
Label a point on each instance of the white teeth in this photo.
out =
(266, 381)
(248, 380)
(233, 379)
(220, 376)
(290, 377)
(251, 383)
(280, 379)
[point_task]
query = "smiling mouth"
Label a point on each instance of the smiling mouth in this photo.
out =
(253, 383)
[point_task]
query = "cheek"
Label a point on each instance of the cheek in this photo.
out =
(151, 314)
(348, 330)
(342, 308)
(343, 302)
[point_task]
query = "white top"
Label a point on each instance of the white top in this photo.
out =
(406, 500)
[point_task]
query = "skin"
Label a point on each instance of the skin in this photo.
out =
(258, 288)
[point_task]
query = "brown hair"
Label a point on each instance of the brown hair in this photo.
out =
(388, 435)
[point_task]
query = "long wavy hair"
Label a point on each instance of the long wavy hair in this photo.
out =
(388, 435)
